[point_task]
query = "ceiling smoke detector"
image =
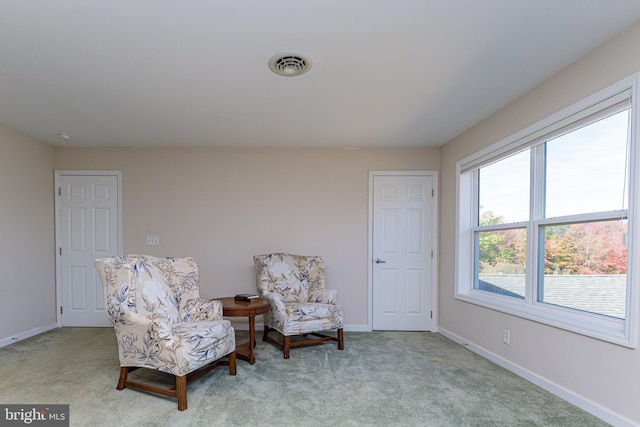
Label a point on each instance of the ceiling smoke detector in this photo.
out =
(289, 64)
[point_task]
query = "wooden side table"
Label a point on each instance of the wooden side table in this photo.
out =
(234, 308)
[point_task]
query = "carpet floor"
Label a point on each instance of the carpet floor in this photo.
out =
(380, 379)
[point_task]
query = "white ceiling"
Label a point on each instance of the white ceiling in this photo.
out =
(394, 73)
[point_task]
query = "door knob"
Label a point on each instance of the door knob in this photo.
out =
(380, 261)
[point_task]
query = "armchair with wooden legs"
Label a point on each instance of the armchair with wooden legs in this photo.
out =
(299, 303)
(161, 322)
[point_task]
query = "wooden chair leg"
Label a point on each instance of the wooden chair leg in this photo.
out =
(124, 371)
(340, 339)
(286, 346)
(181, 392)
(265, 334)
(232, 363)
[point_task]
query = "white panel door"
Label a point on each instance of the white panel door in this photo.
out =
(88, 223)
(402, 252)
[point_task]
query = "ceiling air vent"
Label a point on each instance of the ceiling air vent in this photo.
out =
(289, 64)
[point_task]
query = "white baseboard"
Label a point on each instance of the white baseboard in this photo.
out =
(26, 334)
(357, 328)
(244, 326)
(581, 402)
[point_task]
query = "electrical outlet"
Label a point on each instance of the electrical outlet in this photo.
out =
(506, 336)
(153, 240)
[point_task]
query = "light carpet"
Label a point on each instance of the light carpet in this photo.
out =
(380, 379)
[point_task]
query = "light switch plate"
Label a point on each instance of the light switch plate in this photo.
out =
(153, 240)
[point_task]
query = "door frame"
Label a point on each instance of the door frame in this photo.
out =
(58, 239)
(434, 242)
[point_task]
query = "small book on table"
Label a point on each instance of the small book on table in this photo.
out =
(246, 297)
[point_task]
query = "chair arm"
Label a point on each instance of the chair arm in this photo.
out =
(124, 318)
(160, 331)
(135, 319)
(324, 296)
(120, 308)
(138, 333)
(200, 309)
(275, 299)
(134, 329)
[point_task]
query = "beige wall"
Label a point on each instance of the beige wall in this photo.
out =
(222, 206)
(604, 373)
(27, 264)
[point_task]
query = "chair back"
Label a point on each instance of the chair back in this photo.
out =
(150, 286)
(294, 277)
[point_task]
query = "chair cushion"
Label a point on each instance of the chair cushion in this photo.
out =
(311, 311)
(200, 341)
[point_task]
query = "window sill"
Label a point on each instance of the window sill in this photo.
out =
(600, 327)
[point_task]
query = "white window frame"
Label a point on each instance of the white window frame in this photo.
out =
(617, 331)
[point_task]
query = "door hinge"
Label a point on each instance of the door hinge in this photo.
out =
(60, 309)
(60, 250)
(433, 192)
(59, 191)
(431, 313)
(431, 254)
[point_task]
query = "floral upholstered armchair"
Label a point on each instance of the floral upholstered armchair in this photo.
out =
(161, 322)
(299, 302)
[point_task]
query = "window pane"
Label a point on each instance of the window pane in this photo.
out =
(501, 262)
(586, 168)
(585, 267)
(504, 190)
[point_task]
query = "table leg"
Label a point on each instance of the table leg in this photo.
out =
(245, 351)
(252, 339)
